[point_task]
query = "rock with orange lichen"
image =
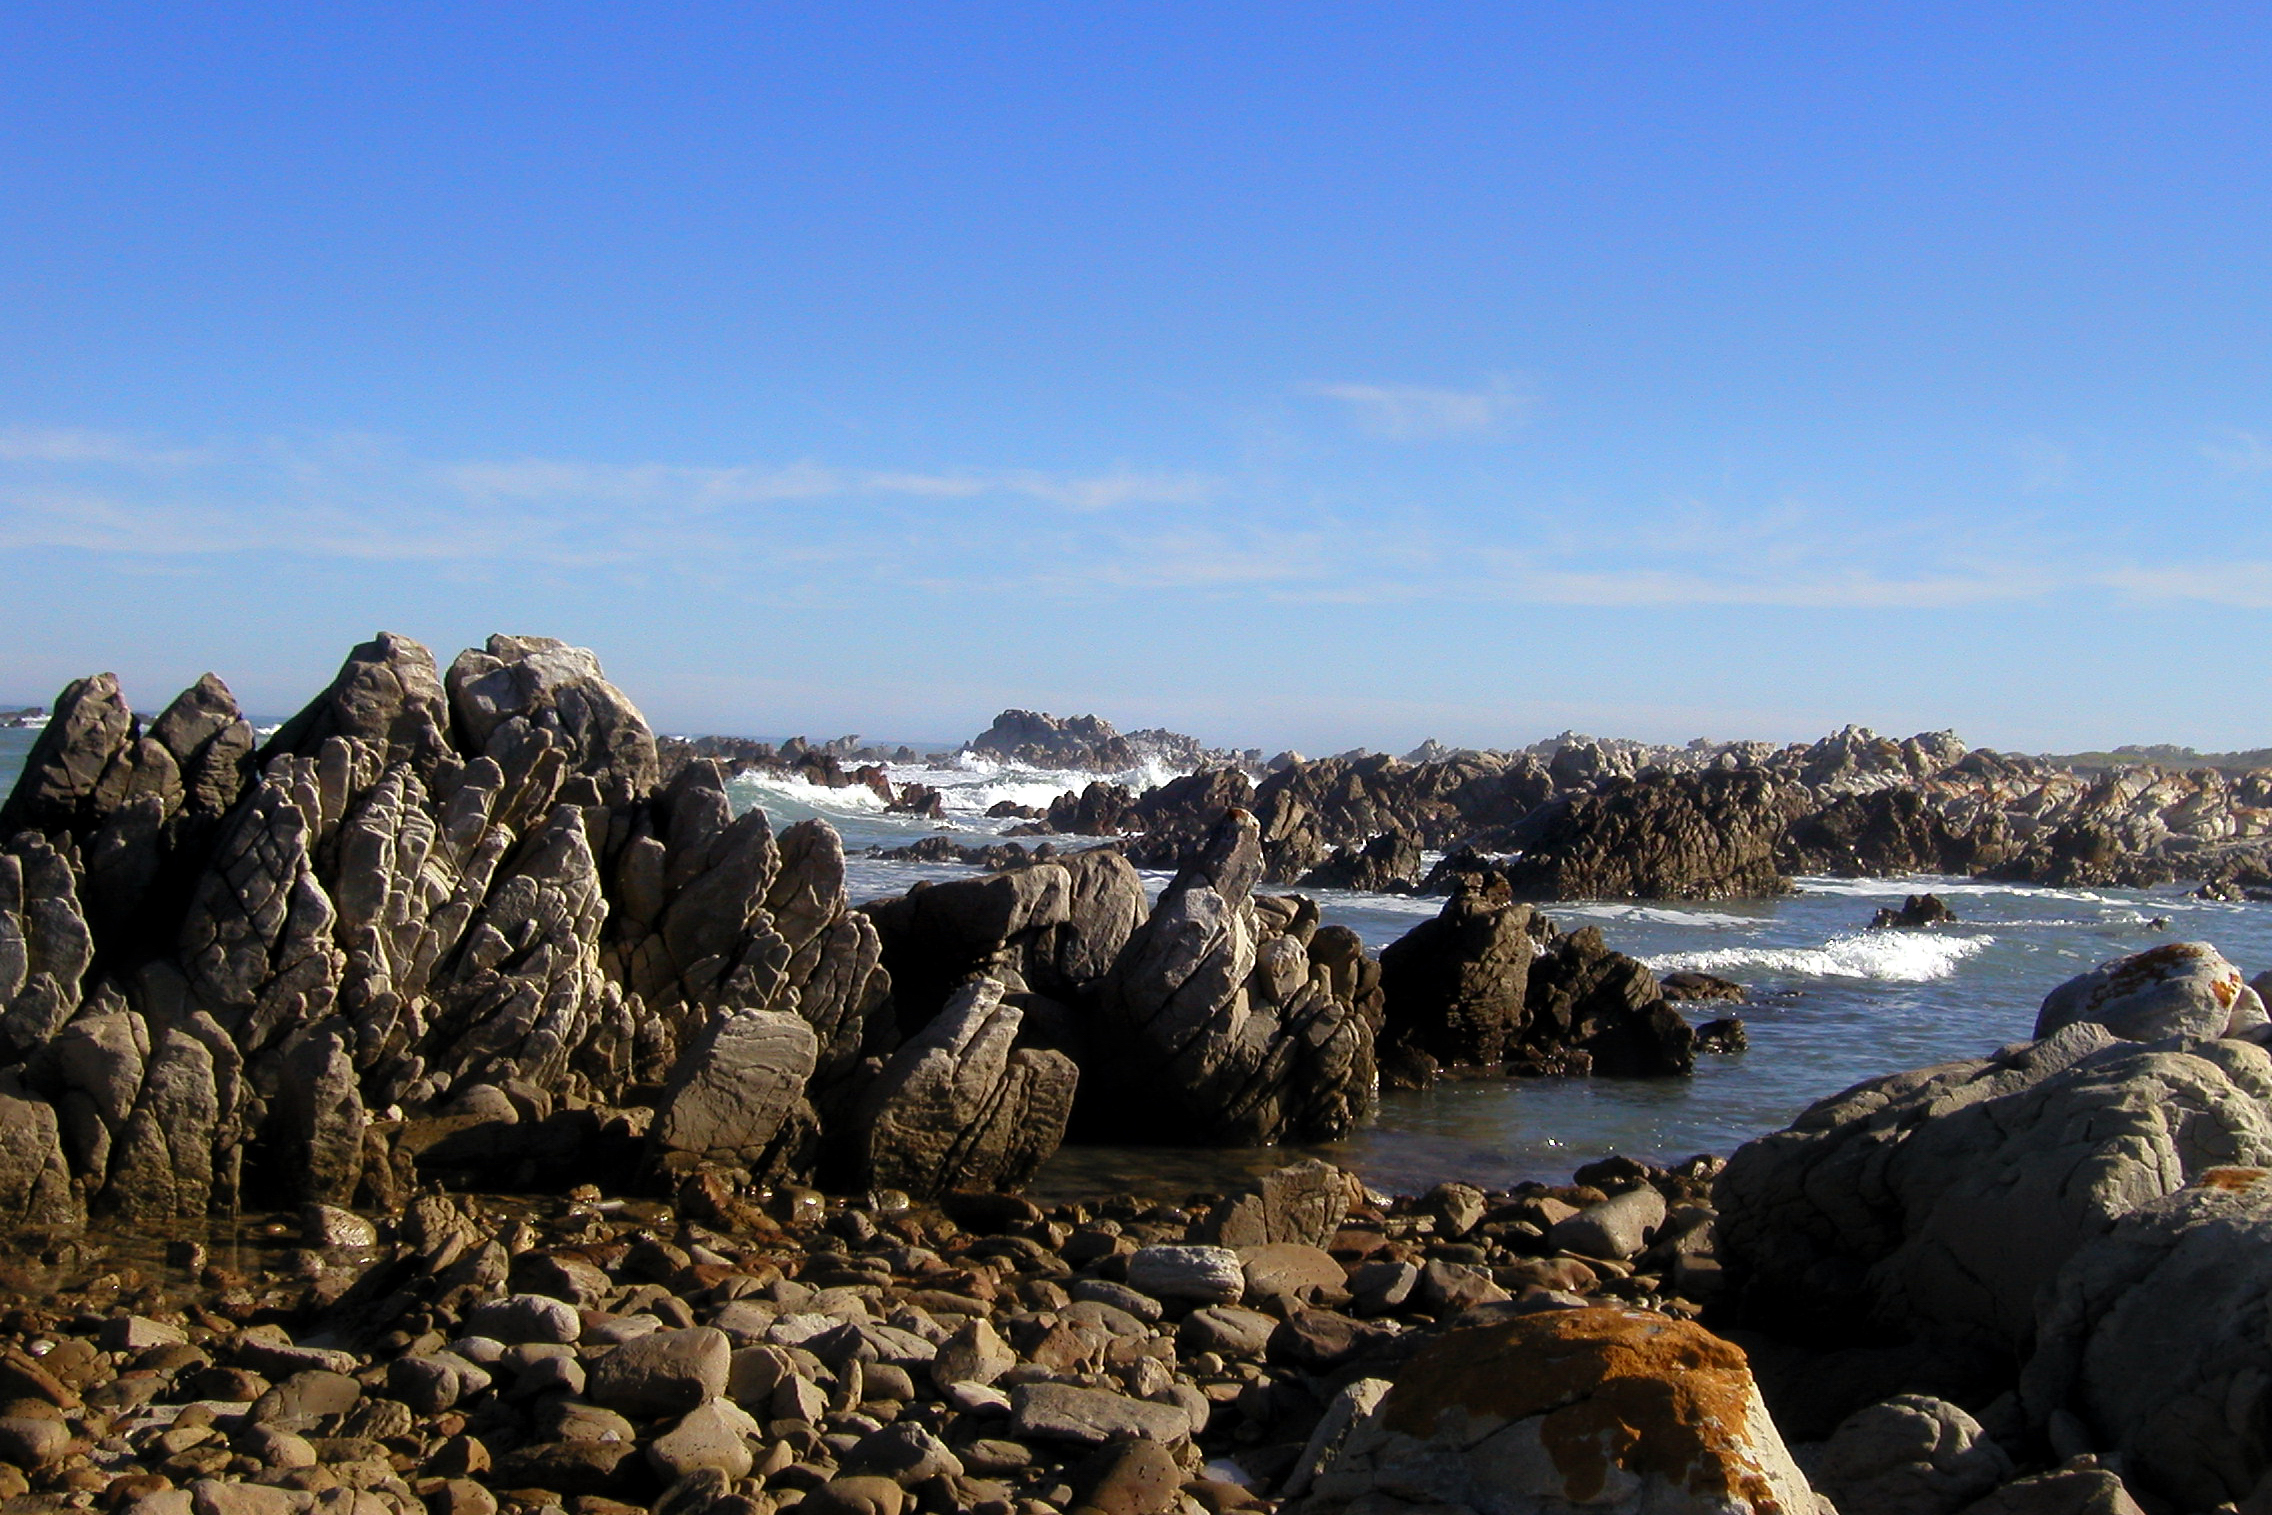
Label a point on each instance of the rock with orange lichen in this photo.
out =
(1613, 1410)
(2176, 989)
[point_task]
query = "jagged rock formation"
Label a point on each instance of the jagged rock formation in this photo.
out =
(1618, 819)
(1215, 1025)
(1664, 836)
(961, 1106)
(1455, 987)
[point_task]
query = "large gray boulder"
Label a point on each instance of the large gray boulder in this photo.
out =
(960, 1106)
(1936, 1203)
(735, 1086)
(1214, 1027)
(1909, 1455)
(71, 777)
(2176, 989)
(2151, 1343)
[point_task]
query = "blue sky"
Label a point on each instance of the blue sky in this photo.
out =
(1313, 374)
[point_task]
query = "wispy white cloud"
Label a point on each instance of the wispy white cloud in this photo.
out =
(2240, 452)
(1121, 531)
(1417, 413)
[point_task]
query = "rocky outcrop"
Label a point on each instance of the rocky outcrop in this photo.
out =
(389, 695)
(1603, 1409)
(2150, 1347)
(960, 1106)
(45, 946)
(1456, 986)
(1584, 997)
(1387, 864)
(1212, 1026)
(1935, 1204)
(1662, 836)
(516, 688)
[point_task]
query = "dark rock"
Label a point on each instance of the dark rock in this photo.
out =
(1455, 986)
(1916, 912)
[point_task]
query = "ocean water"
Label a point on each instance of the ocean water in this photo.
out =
(1829, 1003)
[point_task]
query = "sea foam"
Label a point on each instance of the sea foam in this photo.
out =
(1900, 957)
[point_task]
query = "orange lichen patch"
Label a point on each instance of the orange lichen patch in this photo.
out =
(1618, 1388)
(2233, 1180)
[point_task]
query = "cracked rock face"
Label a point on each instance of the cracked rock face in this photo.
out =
(961, 1107)
(518, 685)
(1598, 1408)
(1213, 1025)
(736, 1085)
(1937, 1202)
(389, 694)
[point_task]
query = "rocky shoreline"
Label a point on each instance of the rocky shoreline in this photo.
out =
(628, 1165)
(2028, 1284)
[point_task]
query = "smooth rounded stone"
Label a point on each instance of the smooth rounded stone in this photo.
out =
(432, 1383)
(1616, 1411)
(993, 1455)
(482, 1351)
(565, 1467)
(1909, 1455)
(2062, 1491)
(137, 1333)
(276, 1449)
(977, 1398)
(1133, 1478)
(695, 1493)
(461, 1496)
(1063, 1412)
(889, 1381)
(211, 1496)
(1089, 1313)
(525, 1317)
(865, 1495)
(745, 1321)
(580, 1282)
(905, 1453)
(753, 1373)
(1119, 1296)
(711, 1435)
(1292, 1268)
(1616, 1228)
(1318, 1341)
(1382, 1286)
(974, 1353)
(615, 1330)
(1226, 1331)
(667, 1373)
(311, 1395)
(33, 1443)
(1205, 1275)
(573, 1420)
(2176, 989)
(549, 1375)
